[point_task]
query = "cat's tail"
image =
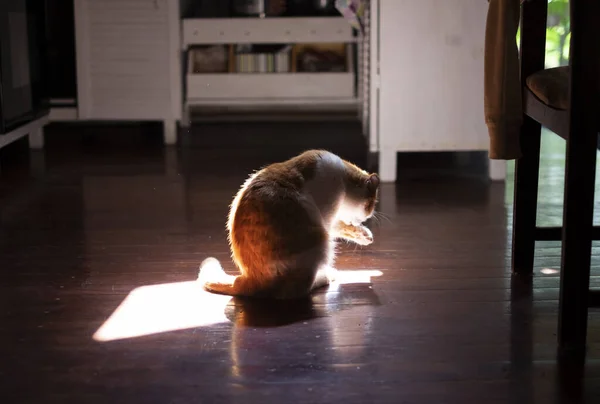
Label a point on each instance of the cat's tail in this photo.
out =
(213, 279)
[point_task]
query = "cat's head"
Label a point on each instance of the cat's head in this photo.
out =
(362, 191)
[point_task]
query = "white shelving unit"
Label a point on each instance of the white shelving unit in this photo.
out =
(302, 87)
(280, 88)
(131, 64)
(208, 31)
(368, 74)
(128, 65)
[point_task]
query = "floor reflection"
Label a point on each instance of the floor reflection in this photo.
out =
(338, 338)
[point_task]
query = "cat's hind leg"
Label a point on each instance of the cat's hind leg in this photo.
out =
(212, 271)
(213, 279)
(238, 287)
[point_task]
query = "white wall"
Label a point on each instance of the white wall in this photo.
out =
(431, 61)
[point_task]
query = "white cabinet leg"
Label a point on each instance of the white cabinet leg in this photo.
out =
(170, 132)
(387, 165)
(497, 170)
(36, 138)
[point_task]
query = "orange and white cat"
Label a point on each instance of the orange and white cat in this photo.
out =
(283, 224)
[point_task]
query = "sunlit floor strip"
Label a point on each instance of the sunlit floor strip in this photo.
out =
(176, 306)
(161, 308)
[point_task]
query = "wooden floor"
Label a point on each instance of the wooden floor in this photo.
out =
(101, 237)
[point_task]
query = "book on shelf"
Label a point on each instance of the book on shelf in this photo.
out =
(263, 62)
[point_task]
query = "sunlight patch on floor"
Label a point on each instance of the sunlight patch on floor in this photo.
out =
(161, 308)
(176, 306)
(347, 277)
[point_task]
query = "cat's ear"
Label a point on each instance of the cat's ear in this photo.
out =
(373, 183)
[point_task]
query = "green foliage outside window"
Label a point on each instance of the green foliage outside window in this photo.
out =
(558, 33)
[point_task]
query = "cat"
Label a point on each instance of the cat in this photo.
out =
(283, 224)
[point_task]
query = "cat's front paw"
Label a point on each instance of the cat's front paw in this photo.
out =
(364, 236)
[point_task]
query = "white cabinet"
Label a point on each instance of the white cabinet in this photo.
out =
(128, 60)
(431, 78)
(259, 86)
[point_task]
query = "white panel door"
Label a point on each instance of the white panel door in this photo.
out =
(431, 75)
(123, 62)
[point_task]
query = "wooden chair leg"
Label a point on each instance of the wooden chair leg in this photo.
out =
(580, 175)
(578, 212)
(527, 170)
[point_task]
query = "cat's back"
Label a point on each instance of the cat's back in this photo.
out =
(286, 190)
(272, 218)
(297, 175)
(315, 175)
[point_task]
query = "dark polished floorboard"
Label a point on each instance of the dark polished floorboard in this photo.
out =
(106, 213)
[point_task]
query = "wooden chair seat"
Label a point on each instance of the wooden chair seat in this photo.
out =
(551, 86)
(546, 99)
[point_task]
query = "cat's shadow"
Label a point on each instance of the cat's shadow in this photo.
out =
(248, 312)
